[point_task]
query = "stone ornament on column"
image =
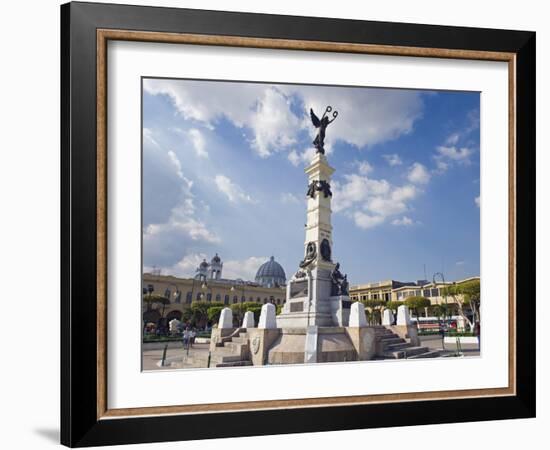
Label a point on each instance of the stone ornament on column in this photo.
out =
(403, 317)
(387, 317)
(248, 320)
(267, 317)
(357, 316)
(226, 319)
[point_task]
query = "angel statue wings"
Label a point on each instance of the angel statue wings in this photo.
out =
(322, 124)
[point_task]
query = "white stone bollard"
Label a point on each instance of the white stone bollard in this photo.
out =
(226, 318)
(387, 317)
(357, 316)
(403, 317)
(267, 317)
(248, 320)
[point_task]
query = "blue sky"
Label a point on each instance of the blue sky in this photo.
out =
(223, 171)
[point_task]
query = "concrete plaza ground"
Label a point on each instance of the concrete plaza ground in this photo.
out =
(177, 357)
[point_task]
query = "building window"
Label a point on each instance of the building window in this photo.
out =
(363, 297)
(198, 298)
(188, 298)
(243, 299)
(218, 298)
(226, 300)
(426, 293)
(209, 297)
(178, 297)
(259, 300)
(251, 299)
(235, 299)
(435, 292)
(399, 295)
(417, 293)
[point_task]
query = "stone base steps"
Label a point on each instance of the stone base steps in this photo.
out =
(391, 346)
(232, 351)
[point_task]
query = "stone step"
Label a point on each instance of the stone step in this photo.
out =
(234, 364)
(220, 359)
(392, 340)
(240, 339)
(398, 346)
(429, 354)
(405, 353)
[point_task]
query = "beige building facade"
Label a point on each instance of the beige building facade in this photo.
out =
(209, 286)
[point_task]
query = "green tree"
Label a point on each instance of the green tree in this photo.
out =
(155, 299)
(213, 313)
(240, 308)
(416, 303)
(197, 313)
(393, 305)
(373, 308)
(466, 294)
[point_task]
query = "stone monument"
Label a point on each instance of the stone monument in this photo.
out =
(317, 294)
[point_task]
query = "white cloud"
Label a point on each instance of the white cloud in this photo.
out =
(454, 153)
(364, 167)
(367, 116)
(393, 159)
(452, 139)
(403, 221)
(371, 202)
(289, 198)
(477, 201)
(304, 157)
(366, 221)
(244, 269)
(176, 163)
(148, 137)
(231, 190)
(199, 143)
(274, 125)
(418, 174)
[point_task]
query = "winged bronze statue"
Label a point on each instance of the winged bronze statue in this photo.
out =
(322, 124)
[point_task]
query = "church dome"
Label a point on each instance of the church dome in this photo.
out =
(271, 274)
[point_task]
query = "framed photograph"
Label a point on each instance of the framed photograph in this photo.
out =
(278, 224)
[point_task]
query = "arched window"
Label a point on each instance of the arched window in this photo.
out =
(226, 300)
(218, 297)
(243, 299)
(235, 299)
(209, 297)
(189, 297)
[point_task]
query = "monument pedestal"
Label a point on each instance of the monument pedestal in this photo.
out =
(309, 302)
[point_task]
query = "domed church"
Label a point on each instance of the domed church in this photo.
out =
(271, 274)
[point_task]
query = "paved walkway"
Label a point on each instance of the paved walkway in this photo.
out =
(176, 358)
(435, 343)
